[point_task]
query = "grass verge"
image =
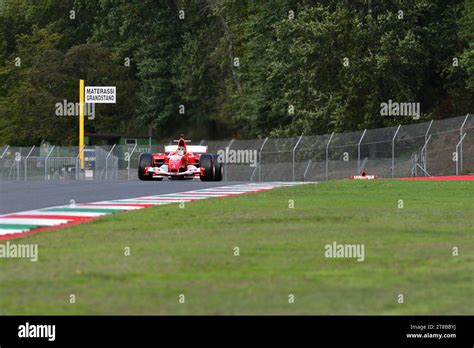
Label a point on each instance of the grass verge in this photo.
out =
(190, 251)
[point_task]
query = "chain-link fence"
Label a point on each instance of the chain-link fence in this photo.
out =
(443, 147)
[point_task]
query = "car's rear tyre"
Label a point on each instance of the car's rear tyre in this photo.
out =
(145, 160)
(207, 163)
(218, 170)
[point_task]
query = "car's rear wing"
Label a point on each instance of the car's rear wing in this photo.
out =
(189, 148)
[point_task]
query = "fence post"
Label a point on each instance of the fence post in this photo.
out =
(225, 159)
(457, 153)
(79, 162)
(260, 160)
(4, 151)
(26, 162)
(358, 151)
(18, 165)
(460, 136)
(393, 150)
(46, 163)
(294, 149)
(107, 161)
(306, 170)
(327, 154)
(253, 173)
(425, 152)
(129, 160)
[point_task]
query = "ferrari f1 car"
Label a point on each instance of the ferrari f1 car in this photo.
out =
(180, 162)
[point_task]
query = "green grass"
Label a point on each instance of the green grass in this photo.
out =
(190, 251)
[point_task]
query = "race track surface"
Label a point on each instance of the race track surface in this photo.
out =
(20, 196)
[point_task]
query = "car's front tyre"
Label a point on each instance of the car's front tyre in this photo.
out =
(218, 170)
(206, 162)
(145, 160)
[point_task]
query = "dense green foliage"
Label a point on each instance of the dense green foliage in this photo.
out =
(241, 68)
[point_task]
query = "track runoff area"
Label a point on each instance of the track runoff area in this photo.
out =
(19, 224)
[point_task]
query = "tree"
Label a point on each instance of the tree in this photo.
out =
(467, 34)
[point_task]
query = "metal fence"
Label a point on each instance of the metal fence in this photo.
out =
(444, 147)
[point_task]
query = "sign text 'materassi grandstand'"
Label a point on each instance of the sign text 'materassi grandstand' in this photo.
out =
(100, 94)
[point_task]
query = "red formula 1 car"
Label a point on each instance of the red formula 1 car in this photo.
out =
(180, 162)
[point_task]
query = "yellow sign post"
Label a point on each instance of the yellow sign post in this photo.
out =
(81, 122)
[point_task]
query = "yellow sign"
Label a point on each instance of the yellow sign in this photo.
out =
(81, 122)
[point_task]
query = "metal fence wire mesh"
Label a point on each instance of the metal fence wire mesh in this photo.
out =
(442, 147)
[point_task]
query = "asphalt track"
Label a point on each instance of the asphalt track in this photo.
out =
(18, 196)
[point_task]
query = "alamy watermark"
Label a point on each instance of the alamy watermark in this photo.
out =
(238, 156)
(66, 108)
(335, 250)
(28, 330)
(394, 108)
(19, 251)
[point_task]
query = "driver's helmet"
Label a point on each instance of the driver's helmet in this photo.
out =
(181, 151)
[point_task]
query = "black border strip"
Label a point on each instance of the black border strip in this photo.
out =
(288, 330)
